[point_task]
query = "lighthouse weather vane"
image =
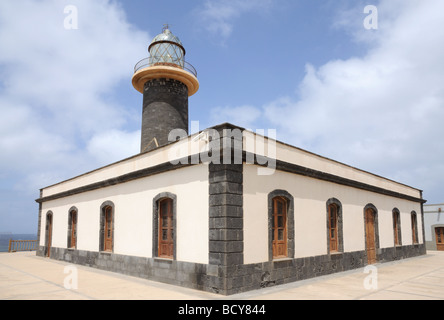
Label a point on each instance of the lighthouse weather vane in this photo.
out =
(166, 26)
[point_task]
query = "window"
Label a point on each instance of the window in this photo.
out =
(333, 227)
(279, 227)
(396, 227)
(107, 227)
(164, 224)
(414, 227)
(48, 233)
(72, 228)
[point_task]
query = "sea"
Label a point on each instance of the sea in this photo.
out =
(4, 239)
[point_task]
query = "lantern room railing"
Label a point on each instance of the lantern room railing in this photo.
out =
(147, 62)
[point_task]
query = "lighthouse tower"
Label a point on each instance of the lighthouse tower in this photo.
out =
(166, 81)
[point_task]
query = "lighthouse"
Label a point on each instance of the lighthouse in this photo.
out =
(166, 81)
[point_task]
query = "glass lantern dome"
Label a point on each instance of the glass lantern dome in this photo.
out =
(166, 59)
(166, 49)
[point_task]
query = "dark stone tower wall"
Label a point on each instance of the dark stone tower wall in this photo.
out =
(165, 107)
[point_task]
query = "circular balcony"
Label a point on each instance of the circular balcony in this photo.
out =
(182, 71)
(148, 62)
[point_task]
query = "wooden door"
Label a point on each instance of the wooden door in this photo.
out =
(73, 229)
(279, 226)
(396, 227)
(439, 233)
(370, 236)
(414, 225)
(108, 236)
(166, 230)
(49, 231)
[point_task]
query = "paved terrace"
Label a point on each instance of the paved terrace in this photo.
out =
(24, 276)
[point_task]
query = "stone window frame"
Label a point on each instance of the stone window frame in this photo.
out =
(102, 226)
(340, 235)
(375, 210)
(398, 213)
(290, 223)
(73, 208)
(414, 227)
(156, 200)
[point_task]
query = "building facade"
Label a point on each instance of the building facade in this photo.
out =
(224, 210)
(229, 228)
(434, 226)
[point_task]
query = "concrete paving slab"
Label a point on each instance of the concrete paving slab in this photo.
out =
(24, 276)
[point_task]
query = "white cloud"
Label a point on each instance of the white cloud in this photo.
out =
(114, 145)
(56, 90)
(219, 17)
(382, 112)
(244, 116)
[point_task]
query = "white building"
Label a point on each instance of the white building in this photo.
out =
(434, 226)
(225, 210)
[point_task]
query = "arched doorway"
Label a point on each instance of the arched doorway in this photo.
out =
(370, 233)
(48, 233)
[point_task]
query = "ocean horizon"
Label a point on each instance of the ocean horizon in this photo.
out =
(4, 239)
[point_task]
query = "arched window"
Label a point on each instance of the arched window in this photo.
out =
(72, 228)
(396, 227)
(281, 225)
(107, 227)
(334, 226)
(414, 227)
(164, 223)
(48, 233)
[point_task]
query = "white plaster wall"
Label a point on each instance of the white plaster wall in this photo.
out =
(165, 154)
(304, 158)
(310, 197)
(431, 219)
(133, 214)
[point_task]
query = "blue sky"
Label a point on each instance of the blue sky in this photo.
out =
(373, 99)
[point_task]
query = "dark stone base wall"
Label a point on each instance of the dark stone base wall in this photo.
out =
(225, 279)
(255, 276)
(401, 252)
(184, 274)
(431, 245)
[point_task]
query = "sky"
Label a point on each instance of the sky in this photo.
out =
(363, 87)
